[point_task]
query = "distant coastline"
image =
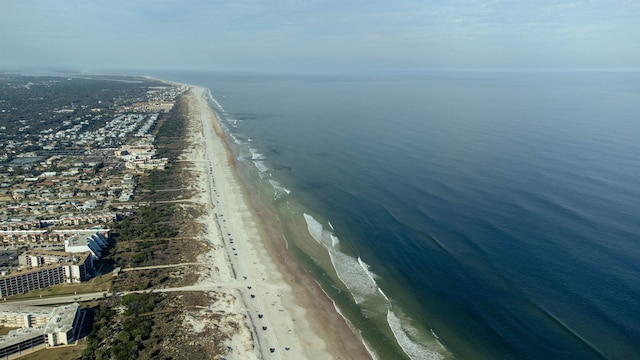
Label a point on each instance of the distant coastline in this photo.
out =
(264, 265)
(310, 242)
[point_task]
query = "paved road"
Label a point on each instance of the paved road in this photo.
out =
(65, 299)
(57, 299)
(161, 266)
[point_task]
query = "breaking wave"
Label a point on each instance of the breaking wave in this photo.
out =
(255, 155)
(354, 272)
(261, 166)
(361, 282)
(278, 189)
(410, 347)
(214, 101)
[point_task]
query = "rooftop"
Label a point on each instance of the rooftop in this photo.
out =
(59, 319)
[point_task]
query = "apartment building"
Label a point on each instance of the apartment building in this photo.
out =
(44, 269)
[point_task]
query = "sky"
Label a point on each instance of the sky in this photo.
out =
(299, 35)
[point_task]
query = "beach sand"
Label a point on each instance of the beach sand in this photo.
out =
(284, 312)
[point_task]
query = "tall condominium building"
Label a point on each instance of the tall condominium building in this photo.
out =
(44, 269)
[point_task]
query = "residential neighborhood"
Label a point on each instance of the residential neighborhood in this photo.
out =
(71, 152)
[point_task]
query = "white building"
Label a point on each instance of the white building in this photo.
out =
(92, 241)
(40, 327)
(45, 269)
(78, 267)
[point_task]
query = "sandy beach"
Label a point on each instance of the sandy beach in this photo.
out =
(283, 311)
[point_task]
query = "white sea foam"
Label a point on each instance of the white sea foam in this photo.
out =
(235, 139)
(262, 167)
(279, 190)
(353, 276)
(361, 282)
(331, 226)
(348, 269)
(255, 155)
(366, 269)
(412, 349)
(334, 240)
(217, 104)
(316, 231)
(366, 345)
(371, 353)
(383, 295)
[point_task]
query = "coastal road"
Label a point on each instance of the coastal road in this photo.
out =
(67, 299)
(161, 266)
(229, 216)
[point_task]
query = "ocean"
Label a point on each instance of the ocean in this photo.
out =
(453, 214)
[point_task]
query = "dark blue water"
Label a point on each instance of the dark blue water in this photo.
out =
(500, 210)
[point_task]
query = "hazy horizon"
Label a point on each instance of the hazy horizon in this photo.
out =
(324, 36)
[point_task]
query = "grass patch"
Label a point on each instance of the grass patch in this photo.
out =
(58, 353)
(155, 278)
(148, 222)
(151, 326)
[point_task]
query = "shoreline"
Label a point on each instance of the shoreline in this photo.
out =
(287, 313)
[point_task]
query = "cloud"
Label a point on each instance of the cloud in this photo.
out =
(419, 33)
